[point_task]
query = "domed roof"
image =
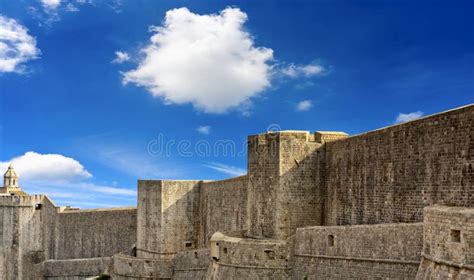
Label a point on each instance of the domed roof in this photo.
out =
(10, 173)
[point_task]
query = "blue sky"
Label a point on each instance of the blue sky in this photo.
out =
(89, 90)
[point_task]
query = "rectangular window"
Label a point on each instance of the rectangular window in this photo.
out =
(456, 236)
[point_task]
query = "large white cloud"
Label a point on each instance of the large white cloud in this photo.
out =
(16, 45)
(52, 168)
(209, 61)
(66, 181)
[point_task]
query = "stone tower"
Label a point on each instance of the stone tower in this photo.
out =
(10, 183)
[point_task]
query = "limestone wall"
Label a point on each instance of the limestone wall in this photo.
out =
(10, 234)
(285, 186)
(448, 246)
(191, 265)
(241, 258)
(23, 235)
(75, 269)
(129, 267)
(168, 217)
(300, 196)
(386, 251)
(95, 233)
(389, 175)
(223, 207)
(263, 174)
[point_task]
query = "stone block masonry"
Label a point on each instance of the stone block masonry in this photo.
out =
(94, 233)
(386, 251)
(391, 174)
(448, 245)
(394, 203)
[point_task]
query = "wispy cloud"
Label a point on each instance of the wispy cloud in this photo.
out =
(50, 4)
(204, 129)
(47, 12)
(121, 57)
(296, 71)
(16, 46)
(126, 158)
(304, 105)
(108, 189)
(408, 117)
(71, 8)
(227, 169)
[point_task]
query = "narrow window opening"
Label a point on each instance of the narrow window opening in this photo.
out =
(225, 250)
(270, 254)
(456, 236)
(188, 244)
(330, 240)
(38, 206)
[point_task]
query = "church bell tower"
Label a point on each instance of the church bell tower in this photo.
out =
(10, 183)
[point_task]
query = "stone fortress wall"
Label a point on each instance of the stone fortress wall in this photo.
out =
(448, 246)
(312, 206)
(391, 174)
(369, 251)
(33, 230)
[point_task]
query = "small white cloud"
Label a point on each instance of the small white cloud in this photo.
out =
(227, 169)
(209, 61)
(71, 8)
(121, 57)
(408, 117)
(296, 71)
(204, 129)
(16, 46)
(304, 105)
(50, 4)
(33, 166)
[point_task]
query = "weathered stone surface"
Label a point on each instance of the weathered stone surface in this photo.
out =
(95, 233)
(129, 267)
(243, 258)
(366, 251)
(312, 206)
(448, 243)
(168, 217)
(389, 175)
(223, 207)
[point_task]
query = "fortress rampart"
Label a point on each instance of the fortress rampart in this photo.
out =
(312, 206)
(448, 247)
(33, 230)
(391, 174)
